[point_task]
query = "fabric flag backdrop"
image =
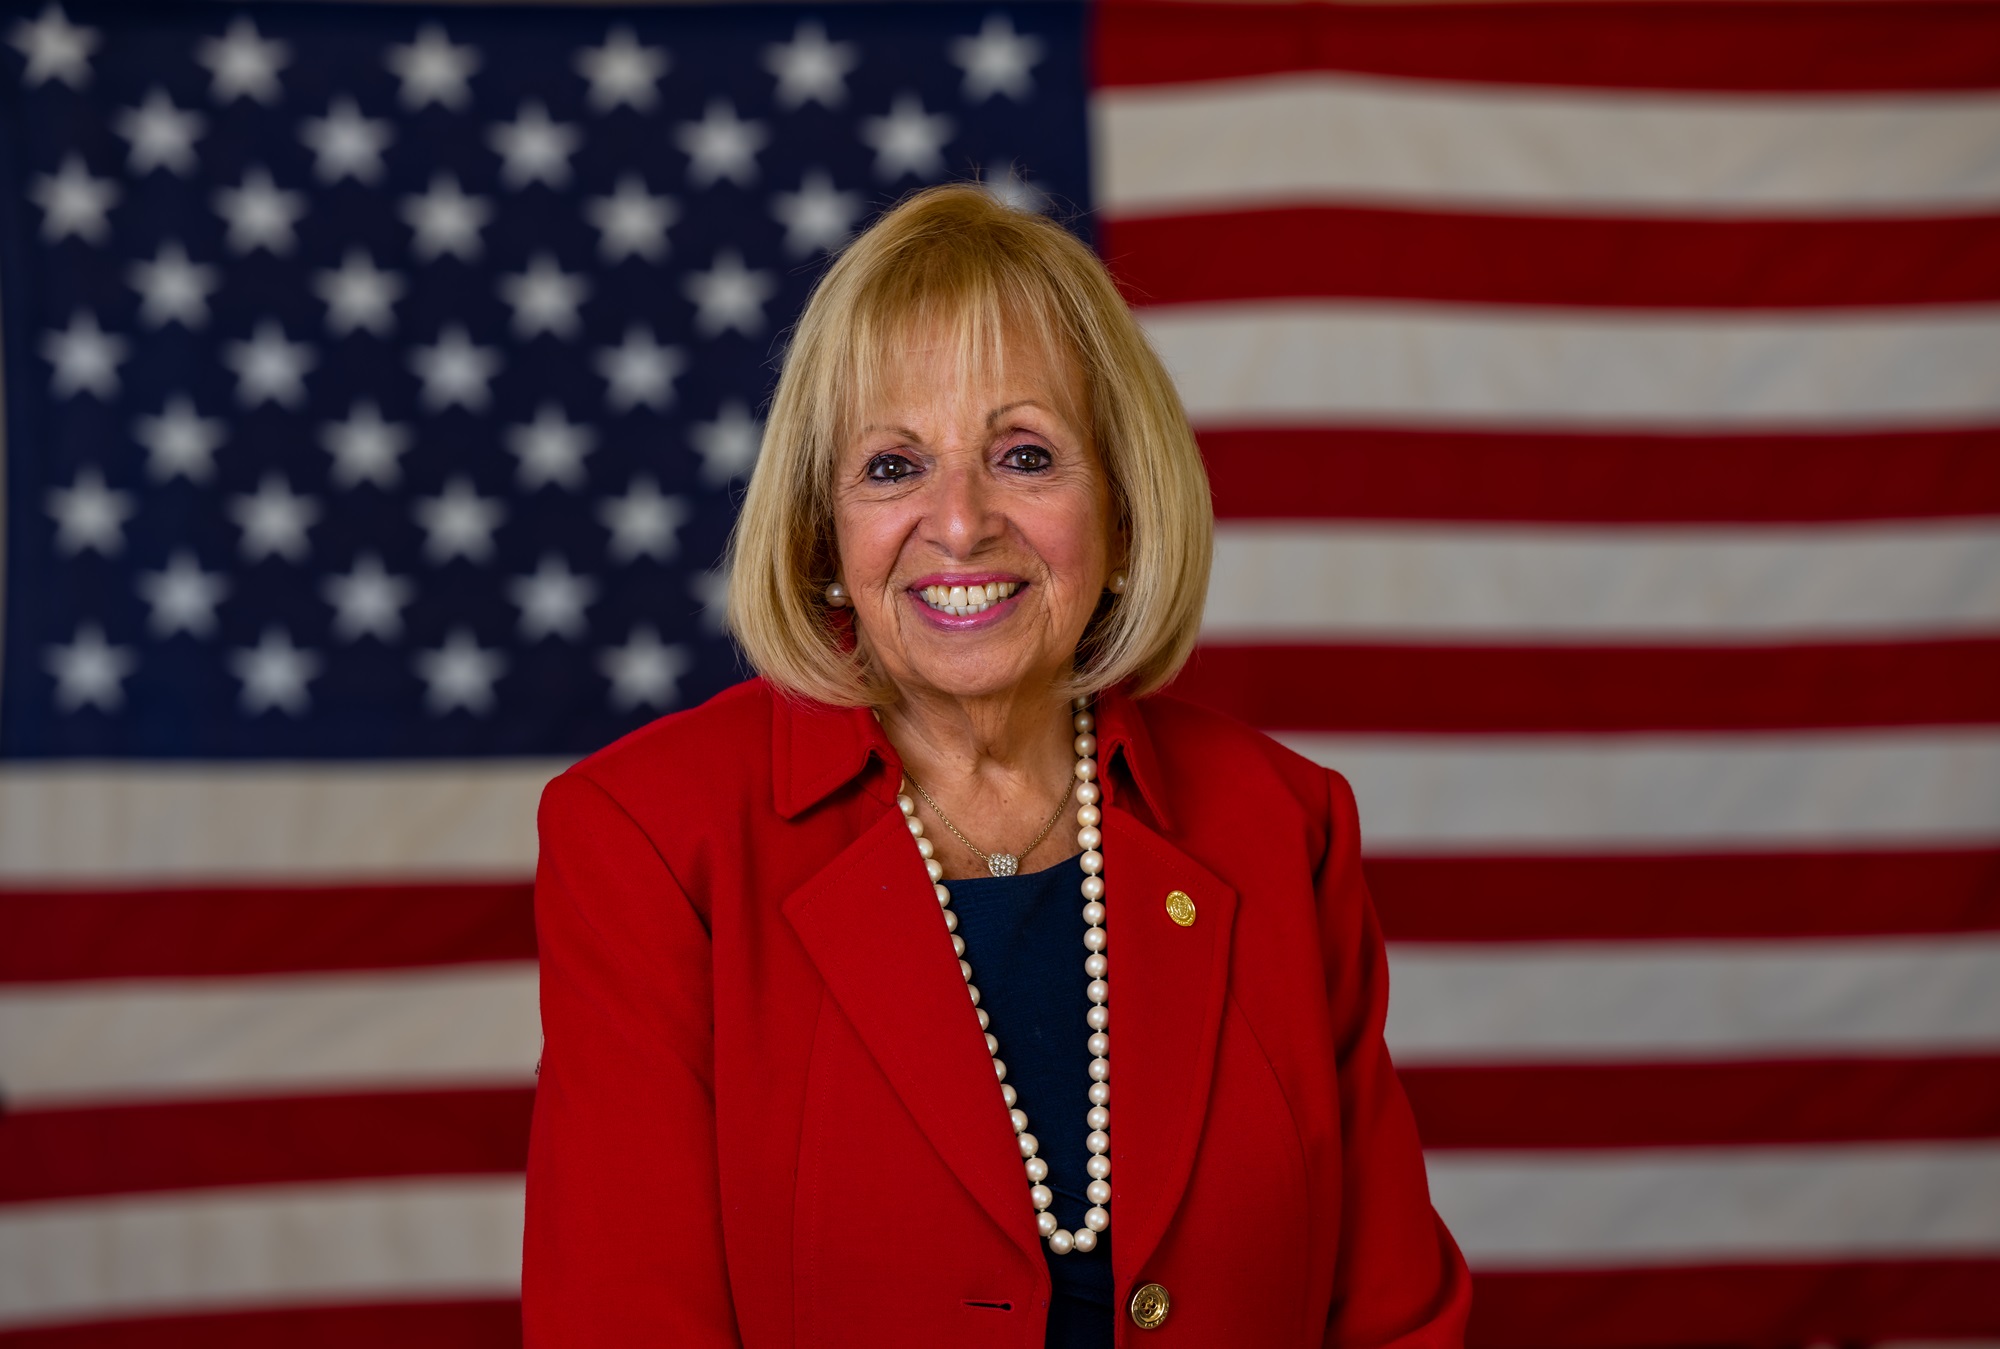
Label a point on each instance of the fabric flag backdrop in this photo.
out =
(1603, 409)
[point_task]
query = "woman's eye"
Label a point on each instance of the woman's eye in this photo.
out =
(889, 468)
(1029, 458)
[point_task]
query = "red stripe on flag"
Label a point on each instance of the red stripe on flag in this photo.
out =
(222, 930)
(407, 1325)
(1594, 689)
(1394, 473)
(1697, 1104)
(1366, 253)
(64, 1154)
(1632, 897)
(1763, 47)
(1767, 1304)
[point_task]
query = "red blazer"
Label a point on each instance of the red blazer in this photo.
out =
(767, 1115)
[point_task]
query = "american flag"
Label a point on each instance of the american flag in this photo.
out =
(1602, 403)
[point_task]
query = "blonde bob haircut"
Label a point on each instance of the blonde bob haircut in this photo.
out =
(957, 261)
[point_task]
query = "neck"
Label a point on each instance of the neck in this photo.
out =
(1018, 734)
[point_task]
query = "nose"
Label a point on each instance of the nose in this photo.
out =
(963, 514)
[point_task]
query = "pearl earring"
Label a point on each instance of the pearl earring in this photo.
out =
(1118, 582)
(836, 596)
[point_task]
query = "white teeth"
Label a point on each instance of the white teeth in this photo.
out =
(963, 600)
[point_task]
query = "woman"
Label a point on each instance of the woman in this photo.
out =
(830, 963)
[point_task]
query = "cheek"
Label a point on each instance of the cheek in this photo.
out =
(1072, 542)
(867, 541)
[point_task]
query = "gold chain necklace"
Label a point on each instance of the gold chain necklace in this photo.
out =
(999, 863)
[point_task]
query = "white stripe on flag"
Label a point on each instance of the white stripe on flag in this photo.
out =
(1497, 794)
(441, 1025)
(1619, 1208)
(1522, 584)
(1293, 138)
(288, 822)
(1287, 362)
(431, 1240)
(1532, 1003)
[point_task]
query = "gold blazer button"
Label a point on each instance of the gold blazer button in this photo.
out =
(1150, 1304)
(1181, 909)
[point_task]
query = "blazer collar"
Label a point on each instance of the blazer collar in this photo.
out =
(870, 924)
(817, 749)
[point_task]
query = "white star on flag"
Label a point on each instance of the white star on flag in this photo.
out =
(729, 295)
(534, 149)
(243, 64)
(162, 135)
(89, 671)
(183, 597)
(260, 213)
(56, 49)
(275, 673)
(89, 515)
(728, 445)
(811, 69)
(818, 217)
(458, 522)
(74, 203)
(434, 70)
(552, 600)
(446, 220)
(710, 590)
(180, 443)
(345, 144)
(460, 674)
(545, 298)
(642, 522)
(1013, 190)
(644, 672)
(85, 357)
(622, 72)
(551, 449)
(997, 60)
(908, 140)
(632, 222)
(721, 145)
(172, 288)
(367, 601)
(269, 368)
(455, 371)
(365, 448)
(274, 520)
(359, 296)
(639, 371)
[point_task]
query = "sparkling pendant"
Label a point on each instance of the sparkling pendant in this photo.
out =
(1002, 863)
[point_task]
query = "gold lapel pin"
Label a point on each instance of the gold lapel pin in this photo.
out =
(1180, 908)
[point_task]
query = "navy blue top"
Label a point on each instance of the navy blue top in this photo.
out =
(1024, 938)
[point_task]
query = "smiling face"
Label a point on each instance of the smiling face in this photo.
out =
(973, 520)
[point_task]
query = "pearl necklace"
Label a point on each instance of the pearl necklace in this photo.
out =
(1098, 1118)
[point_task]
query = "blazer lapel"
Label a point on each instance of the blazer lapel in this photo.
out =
(870, 923)
(1168, 985)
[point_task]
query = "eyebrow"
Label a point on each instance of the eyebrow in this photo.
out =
(995, 415)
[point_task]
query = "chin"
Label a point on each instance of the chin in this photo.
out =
(970, 674)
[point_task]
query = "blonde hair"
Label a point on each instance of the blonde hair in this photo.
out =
(956, 259)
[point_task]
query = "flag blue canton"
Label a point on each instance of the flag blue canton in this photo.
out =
(381, 380)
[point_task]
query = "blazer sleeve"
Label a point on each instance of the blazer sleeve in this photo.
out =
(624, 1226)
(1400, 1279)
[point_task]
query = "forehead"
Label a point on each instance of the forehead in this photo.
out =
(968, 363)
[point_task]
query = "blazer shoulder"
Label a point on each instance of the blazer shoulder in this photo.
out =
(688, 757)
(1187, 736)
